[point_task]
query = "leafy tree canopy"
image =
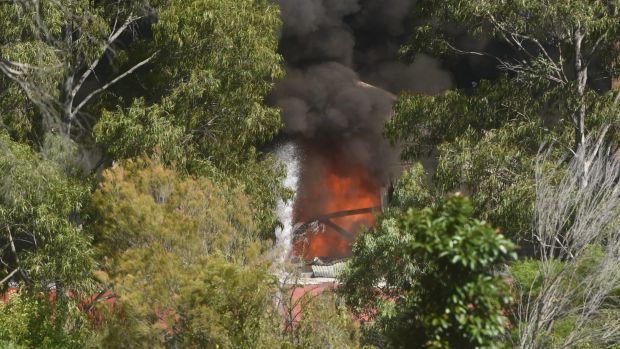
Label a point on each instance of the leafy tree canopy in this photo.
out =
(428, 278)
(50, 50)
(485, 139)
(204, 107)
(39, 241)
(183, 256)
(43, 251)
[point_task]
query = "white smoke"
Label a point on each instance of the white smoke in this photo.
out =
(288, 154)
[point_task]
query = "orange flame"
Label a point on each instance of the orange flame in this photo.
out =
(334, 189)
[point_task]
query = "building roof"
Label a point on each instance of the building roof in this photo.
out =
(328, 271)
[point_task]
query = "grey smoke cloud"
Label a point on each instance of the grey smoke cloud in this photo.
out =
(387, 16)
(424, 75)
(328, 45)
(303, 17)
(326, 97)
(315, 30)
(328, 103)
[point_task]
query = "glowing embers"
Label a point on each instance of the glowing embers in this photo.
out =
(335, 201)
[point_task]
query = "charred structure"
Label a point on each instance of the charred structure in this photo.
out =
(342, 77)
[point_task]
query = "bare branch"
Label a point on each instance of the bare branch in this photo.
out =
(571, 219)
(109, 84)
(8, 277)
(111, 39)
(8, 230)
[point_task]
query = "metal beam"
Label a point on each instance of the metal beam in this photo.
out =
(326, 219)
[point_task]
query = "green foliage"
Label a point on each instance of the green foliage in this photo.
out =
(485, 144)
(36, 201)
(17, 115)
(205, 111)
(26, 321)
(219, 61)
(528, 281)
(534, 20)
(325, 324)
(142, 200)
(224, 60)
(184, 249)
(556, 61)
(434, 277)
(142, 130)
(412, 189)
(497, 168)
(486, 139)
(423, 122)
(160, 137)
(48, 46)
(9, 345)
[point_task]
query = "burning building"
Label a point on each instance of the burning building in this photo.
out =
(338, 159)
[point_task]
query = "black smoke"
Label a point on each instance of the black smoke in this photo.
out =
(327, 106)
(330, 46)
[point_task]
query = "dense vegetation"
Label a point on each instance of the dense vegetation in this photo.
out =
(131, 165)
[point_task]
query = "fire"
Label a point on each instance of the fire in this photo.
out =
(328, 188)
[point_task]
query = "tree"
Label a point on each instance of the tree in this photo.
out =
(52, 51)
(42, 250)
(421, 123)
(428, 278)
(204, 108)
(573, 287)
(43, 321)
(497, 170)
(485, 144)
(40, 244)
(18, 116)
(549, 88)
(220, 61)
(183, 256)
(554, 48)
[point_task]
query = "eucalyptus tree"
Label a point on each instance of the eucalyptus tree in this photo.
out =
(484, 144)
(43, 251)
(555, 47)
(555, 65)
(183, 258)
(40, 243)
(204, 106)
(51, 51)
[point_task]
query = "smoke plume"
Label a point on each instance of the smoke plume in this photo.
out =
(332, 45)
(327, 105)
(343, 75)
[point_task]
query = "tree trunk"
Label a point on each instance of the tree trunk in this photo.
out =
(67, 107)
(581, 73)
(67, 100)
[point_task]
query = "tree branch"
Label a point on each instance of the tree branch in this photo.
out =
(13, 249)
(77, 109)
(8, 277)
(111, 39)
